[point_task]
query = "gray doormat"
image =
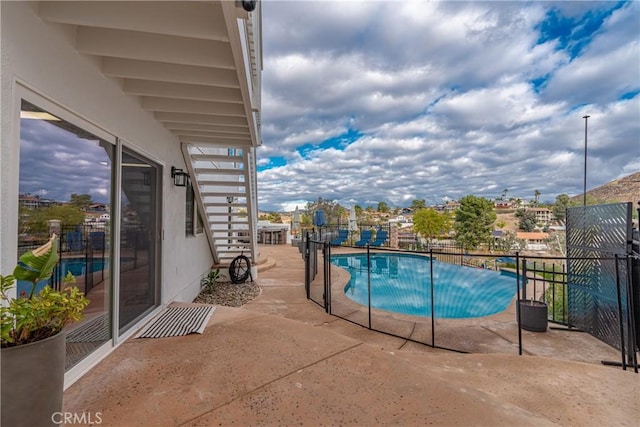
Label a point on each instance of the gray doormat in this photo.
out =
(177, 321)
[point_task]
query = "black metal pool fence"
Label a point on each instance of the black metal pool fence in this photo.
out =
(537, 280)
(88, 244)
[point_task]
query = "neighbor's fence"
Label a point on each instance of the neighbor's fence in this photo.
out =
(542, 279)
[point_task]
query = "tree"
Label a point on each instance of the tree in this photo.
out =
(35, 220)
(559, 208)
(81, 201)
(306, 220)
(527, 219)
(383, 207)
(536, 195)
(557, 242)
(419, 204)
(331, 209)
(504, 193)
(275, 218)
(509, 243)
(431, 224)
(474, 221)
(343, 214)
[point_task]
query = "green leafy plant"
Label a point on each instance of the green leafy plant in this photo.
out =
(209, 282)
(26, 319)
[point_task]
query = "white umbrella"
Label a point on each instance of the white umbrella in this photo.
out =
(353, 223)
(296, 220)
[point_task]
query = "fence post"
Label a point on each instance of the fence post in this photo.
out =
(307, 267)
(620, 322)
(631, 325)
(524, 278)
(369, 283)
(518, 303)
(433, 314)
(326, 250)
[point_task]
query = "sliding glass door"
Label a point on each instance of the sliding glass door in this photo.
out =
(66, 179)
(139, 238)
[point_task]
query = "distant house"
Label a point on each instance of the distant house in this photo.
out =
(98, 207)
(535, 240)
(503, 204)
(407, 211)
(34, 202)
(497, 234)
(401, 221)
(28, 201)
(543, 215)
(450, 206)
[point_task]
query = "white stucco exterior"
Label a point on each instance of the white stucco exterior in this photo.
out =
(41, 63)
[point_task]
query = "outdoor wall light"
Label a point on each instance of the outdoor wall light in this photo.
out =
(248, 5)
(179, 177)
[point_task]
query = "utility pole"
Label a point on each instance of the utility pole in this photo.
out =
(584, 194)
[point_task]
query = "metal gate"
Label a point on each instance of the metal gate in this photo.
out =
(599, 273)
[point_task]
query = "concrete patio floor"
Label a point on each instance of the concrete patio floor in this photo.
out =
(280, 360)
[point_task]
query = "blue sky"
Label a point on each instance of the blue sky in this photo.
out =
(393, 101)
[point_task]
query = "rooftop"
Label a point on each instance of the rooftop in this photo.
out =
(280, 360)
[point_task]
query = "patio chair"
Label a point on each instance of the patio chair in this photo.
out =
(74, 241)
(381, 237)
(365, 238)
(97, 240)
(343, 235)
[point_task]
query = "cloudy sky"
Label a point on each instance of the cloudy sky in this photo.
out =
(70, 164)
(393, 101)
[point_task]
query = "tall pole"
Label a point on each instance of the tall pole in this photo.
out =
(584, 194)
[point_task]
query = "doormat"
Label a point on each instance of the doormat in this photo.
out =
(95, 330)
(178, 321)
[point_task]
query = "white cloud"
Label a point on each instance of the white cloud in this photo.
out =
(441, 95)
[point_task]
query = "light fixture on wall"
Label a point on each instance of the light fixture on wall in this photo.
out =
(179, 176)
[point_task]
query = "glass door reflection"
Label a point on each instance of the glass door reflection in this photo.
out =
(139, 237)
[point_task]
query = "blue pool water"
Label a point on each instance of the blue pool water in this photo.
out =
(401, 283)
(77, 267)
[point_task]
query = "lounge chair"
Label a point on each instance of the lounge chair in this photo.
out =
(343, 235)
(365, 238)
(97, 239)
(381, 237)
(74, 241)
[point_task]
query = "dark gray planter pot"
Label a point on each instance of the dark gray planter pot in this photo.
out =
(32, 382)
(533, 315)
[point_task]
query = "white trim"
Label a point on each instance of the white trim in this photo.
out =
(84, 365)
(116, 213)
(37, 97)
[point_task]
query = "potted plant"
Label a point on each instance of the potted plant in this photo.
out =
(532, 315)
(32, 339)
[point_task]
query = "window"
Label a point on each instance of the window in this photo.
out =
(194, 224)
(189, 210)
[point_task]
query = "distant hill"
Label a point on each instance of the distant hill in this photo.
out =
(625, 189)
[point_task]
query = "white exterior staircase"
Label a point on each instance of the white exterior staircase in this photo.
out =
(224, 182)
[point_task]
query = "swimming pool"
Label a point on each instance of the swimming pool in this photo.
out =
(76, 266)
(401, 283)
